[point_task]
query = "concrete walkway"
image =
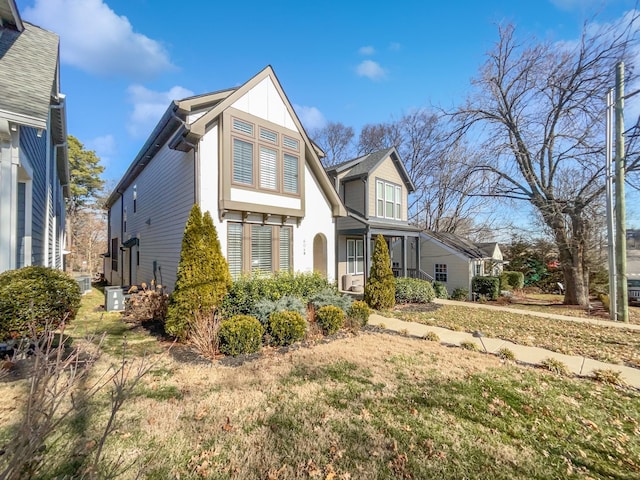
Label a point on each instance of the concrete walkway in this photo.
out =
(531, 355)
(520, 311)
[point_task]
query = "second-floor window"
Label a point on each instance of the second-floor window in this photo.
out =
(265, 158)
(388, 200)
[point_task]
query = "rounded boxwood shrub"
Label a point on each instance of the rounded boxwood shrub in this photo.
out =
(286, 327)
(330, 319)
(240, 334)
(39, 295)
(359, 312)
(414, 290)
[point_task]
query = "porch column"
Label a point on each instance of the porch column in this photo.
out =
(418, 265)
(404, 255)
(367, 254)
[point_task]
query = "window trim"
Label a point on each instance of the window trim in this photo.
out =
(258, 143)
(246, 248)
(382, 202)
(440, 271)
(352, 260)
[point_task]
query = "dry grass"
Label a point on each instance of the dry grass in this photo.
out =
(370, 406)
(608, 344)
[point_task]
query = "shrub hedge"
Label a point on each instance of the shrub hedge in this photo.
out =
(38, 295)
(414, 290)
(440, 290)
(359, 312)
(240, 334)
(460, 294)
(330, 319)
(286, 327)
(488, 287)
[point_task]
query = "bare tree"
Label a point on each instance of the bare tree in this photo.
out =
(447, 186)
(540, 109)
(336, 140)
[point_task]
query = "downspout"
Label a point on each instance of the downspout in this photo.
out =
(196, 174)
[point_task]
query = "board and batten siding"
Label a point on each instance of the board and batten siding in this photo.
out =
(264, 101)
(165, 192)
(354, 195)
(386, 171)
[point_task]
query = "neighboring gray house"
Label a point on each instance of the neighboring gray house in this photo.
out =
(375, 189)
(34, 170)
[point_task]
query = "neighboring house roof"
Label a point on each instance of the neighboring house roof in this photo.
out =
(183, 136)
(362, 166)
(382, 225)
(28, 73)
(488, 247)
(459, 244)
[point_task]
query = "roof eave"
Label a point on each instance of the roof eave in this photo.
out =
(172, 118)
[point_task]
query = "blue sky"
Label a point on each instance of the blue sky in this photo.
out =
(352, 62)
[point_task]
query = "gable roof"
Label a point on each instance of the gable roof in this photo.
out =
(488, 247)
(461, 245)
(187, 135)
(28, 72)
(9, 15)
(362, 166)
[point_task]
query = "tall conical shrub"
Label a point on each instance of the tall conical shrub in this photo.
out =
(380, 289)
(203, 275)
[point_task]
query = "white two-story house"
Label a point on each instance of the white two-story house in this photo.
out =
(243, 155)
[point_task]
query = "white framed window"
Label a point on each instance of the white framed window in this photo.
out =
(290, 174)
(291, 143)
(440, 272)
(242, 162)
(268, 136)
(255, 247)
(234, 249)
(268, 168)
(478, 269)
(355, 256)
(243, 127)
(388, 200)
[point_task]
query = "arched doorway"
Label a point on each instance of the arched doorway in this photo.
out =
(320, 254)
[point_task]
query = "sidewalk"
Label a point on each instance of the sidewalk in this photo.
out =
(532, 355)
(520, 311)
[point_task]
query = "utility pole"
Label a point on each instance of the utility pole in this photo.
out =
(621, 234)
(611, 253)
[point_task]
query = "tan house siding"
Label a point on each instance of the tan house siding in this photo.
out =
(386, 171)
(458, 268)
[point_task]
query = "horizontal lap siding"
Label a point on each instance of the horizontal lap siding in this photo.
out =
(165, 196)
(386, 171)
(35, 149)
(457, 267)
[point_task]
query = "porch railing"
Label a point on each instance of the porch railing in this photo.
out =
(412, 273)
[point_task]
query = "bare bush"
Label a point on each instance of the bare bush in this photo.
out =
(204, 335)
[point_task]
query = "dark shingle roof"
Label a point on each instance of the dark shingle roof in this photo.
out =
(28, 73)
(464, 246)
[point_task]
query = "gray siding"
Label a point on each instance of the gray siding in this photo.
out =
(35, 148)
(354, 196)
(165, 196)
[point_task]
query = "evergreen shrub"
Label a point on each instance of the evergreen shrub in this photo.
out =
(440, 290)
(330, 319)
(37, 296)
(461, 294)
(248, 290)
(286, 327)
(413, 290)
(380, 289)
(487, 287)
(264, 308)
(511, 280)
(358, 313)
(203, 275)
(330, 296)
(240, 334)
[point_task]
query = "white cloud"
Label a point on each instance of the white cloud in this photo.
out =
(104, 146)
(311, 117)
(95, 39)
(148, 107)
(371, 70)
(366, 50)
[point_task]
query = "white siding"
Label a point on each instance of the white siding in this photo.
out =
(209, 175)
(262, 198)
(458, 268)
(264, 101)
(318, 219)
